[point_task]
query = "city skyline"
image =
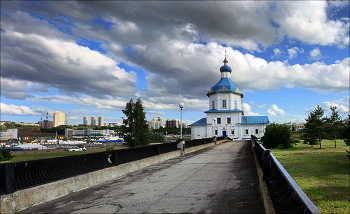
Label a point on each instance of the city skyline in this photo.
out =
(89, 58)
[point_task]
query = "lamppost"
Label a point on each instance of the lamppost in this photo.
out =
(166, 135)
(226, 130)
(181, 105)
(213, 126)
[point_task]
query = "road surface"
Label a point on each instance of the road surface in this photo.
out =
(219, 179)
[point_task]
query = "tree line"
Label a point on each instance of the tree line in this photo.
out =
(317, 127)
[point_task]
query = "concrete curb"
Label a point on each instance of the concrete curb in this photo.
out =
(23, 199)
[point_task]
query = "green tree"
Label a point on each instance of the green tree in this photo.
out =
(345, 133)
(277, 135)
(5, 154)
(315, 126)
(135, 130)
(334, 124)
(157, 137)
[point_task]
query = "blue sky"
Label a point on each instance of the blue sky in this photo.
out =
(86, 58)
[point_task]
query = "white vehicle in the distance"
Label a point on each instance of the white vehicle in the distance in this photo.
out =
(75, 149)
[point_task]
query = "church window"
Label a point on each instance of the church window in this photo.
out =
(213, 104)
(229, 120)
(236, 105)
(219, 120)
(223, 103)
(246, 131)
(256, 131)
(216, 132)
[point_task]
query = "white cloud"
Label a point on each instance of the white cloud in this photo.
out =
(277, 53)
(275, 111)
(297, 21)
(293, 52)
(259, 106)
(315, 54)
(248, 110)
(17, 110)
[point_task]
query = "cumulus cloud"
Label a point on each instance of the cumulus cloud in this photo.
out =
(297, 21)
(342, 109)
(275, 111)
(177, 49)
(293, 52)
(59, 63)
(248, 110)
(315, 54)
(277, 53)
(17, 110)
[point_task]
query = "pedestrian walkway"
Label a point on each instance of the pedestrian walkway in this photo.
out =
(219, 179)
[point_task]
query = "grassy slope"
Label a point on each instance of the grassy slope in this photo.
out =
(323, 174)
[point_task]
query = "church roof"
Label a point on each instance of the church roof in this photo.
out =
(225, 85)
(222, 111)
(255, 120)
(201, 122)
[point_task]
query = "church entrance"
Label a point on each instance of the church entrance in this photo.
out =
(224, 133)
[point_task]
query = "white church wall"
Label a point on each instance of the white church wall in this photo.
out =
(198, 132)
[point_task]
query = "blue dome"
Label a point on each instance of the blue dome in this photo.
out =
(225, 85)
(225, 68)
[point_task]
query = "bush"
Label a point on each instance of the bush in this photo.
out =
(110, 148)
(295, 142)
(5, 154)
(157, 137)
(277, 134)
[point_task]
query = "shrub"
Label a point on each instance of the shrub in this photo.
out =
(5, 154)
(277, 134)
(110, 148)
(157, 137)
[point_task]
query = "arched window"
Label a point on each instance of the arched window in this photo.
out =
(236, 104)
(224, 103)
(213, 104)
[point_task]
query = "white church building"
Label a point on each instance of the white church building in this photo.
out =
(225, 116)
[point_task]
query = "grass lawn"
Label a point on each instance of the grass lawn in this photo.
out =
(28, 157)
(323, 174)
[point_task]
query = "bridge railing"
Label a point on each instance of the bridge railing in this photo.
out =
(26, 174)
(287, 197)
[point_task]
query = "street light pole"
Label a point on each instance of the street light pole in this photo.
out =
(181, 105)
(166, 135)
(213, 126)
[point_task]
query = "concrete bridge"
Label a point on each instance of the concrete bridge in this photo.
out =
(219, 179)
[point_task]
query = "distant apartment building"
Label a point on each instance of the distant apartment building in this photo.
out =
(8, 134)
(45, 124)
(112, 124)
(86, 121)
(58, 119)
(172, 123)
(155, 123)
(157, 119)
(101, 121)
(94, 121)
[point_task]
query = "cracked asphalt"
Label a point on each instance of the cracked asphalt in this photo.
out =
(218, 179)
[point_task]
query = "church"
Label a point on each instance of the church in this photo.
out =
(225, 116)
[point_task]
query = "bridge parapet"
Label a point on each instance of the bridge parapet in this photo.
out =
(287, 197)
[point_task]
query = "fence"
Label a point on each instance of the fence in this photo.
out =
(21, 175)
(287, 197)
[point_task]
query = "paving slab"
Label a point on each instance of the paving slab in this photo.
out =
(218, 179)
